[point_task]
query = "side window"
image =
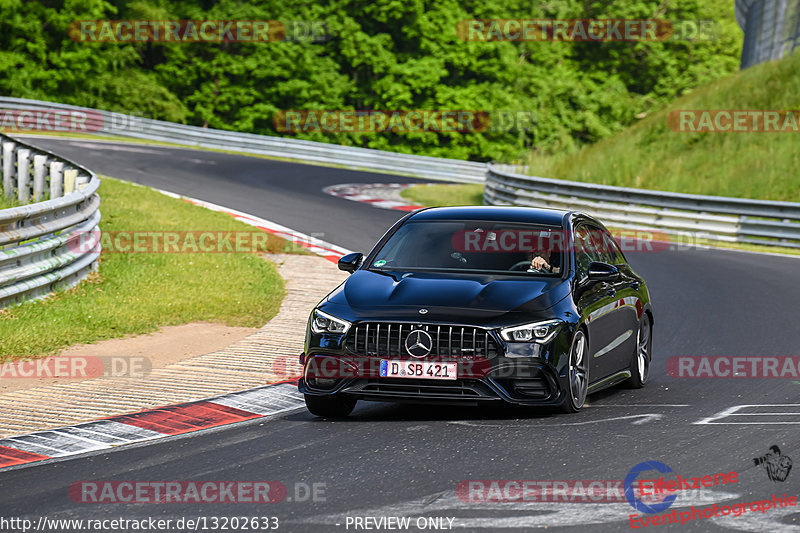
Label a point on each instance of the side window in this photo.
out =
(599, 250)
(582, 246)
(612, 248)
(594, 244)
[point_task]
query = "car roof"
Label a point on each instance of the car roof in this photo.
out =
(550, 217)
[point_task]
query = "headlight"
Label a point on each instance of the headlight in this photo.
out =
(533, 332)
(325, 323)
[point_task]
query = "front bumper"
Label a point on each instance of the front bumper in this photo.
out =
(518, 381)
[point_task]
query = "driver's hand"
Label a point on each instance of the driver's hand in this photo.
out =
(539, 263)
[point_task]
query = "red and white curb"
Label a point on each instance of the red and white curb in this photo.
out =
(329, 251)
(383, 195)
(151, 424)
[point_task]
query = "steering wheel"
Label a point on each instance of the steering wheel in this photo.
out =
(526, 265)
(521, 265)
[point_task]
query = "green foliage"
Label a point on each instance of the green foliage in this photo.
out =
(650, 155)
(444, 195)
(383, 55)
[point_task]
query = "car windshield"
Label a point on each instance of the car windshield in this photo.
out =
(483, 246)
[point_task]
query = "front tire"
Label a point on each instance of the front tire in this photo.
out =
(330, 406)
(578, 373)
(642, 355)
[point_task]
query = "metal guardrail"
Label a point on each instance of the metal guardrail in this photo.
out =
(116, 124)
(53, 243)
(710, 217)
(771, 29)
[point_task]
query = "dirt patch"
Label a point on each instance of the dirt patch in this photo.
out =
(166, 346)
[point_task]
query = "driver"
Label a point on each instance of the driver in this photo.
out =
(540, 262)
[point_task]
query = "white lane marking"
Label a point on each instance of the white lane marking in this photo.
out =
(95, 435)
(117, 430)
(312, 244)
(594, 405)
(91, 436)
(648, 418)
(65, 440)
(644, 418)
(509, 514)
(264, 401)
(107, 434)
(116, 148)
(381, 195)
(735, 411)
(26, 444)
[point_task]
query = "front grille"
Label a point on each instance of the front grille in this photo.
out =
(422, 389)
(385, 339)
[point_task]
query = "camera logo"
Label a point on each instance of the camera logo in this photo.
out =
(777, 466)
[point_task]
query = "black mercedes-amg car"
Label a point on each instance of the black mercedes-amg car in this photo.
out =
(467, 305)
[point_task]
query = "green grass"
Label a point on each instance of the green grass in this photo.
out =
(137, 293)
(650, 155)
(6, 203)
(443, 195)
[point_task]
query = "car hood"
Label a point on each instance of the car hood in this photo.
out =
(372, 295)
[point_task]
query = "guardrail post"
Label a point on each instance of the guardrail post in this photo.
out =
(70, 176)
(37, 255)
(8, 169)
(39, 177)
(81, 182)
(56, 179)
(23, 175)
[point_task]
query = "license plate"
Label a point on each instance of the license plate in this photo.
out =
(418, 369)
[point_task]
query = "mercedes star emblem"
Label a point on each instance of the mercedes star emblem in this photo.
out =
(419, 343)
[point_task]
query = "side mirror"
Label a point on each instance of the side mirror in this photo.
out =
(350, 262)
(603, 272)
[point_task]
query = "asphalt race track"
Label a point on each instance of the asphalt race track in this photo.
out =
(389, 460)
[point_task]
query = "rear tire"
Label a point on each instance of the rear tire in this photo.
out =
(642, 355)
(330, 406)
(578, 373)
